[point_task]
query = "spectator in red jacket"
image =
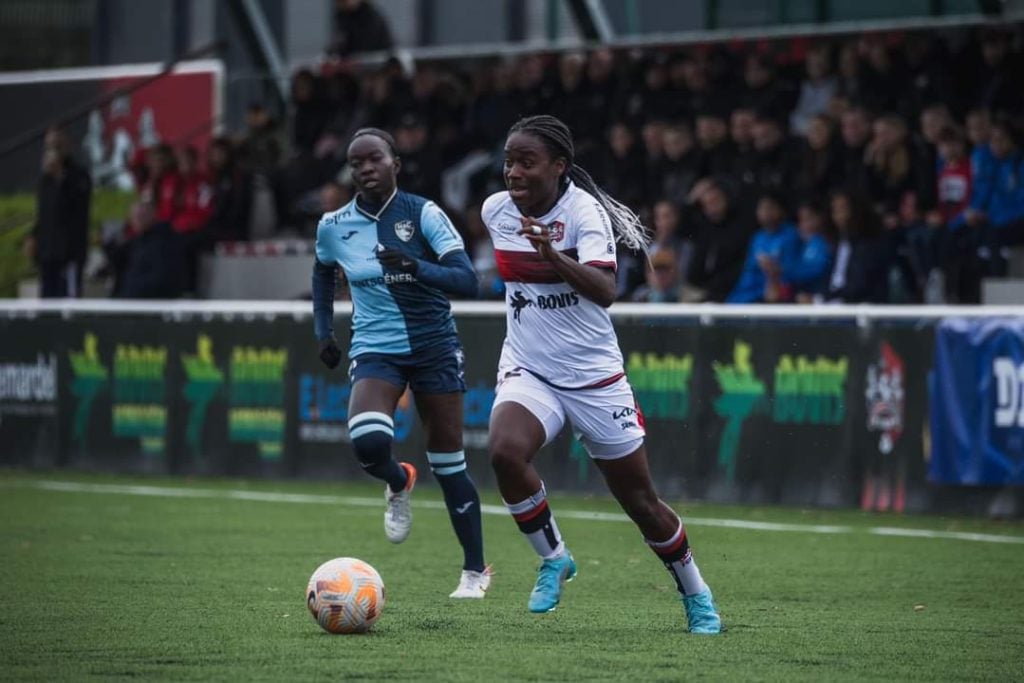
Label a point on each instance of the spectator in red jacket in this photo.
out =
(196, 193)
(163, 184)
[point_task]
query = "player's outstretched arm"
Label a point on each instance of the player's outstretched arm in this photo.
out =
(324, 280)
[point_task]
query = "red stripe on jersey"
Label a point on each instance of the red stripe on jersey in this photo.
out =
(528, 266)
(606, 382)
(603, 264)
(530, 514)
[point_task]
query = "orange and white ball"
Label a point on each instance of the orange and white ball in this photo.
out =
(345, 595)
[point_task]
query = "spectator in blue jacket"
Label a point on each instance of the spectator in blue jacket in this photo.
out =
(1003, 213)
(775, 243)
(806, 274)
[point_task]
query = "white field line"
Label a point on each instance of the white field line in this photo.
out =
(355, 501)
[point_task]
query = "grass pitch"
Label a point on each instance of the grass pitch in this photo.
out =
(102, 582)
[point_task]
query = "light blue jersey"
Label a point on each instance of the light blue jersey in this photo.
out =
(393, 313)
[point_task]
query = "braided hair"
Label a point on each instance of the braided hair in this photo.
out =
(557, 137)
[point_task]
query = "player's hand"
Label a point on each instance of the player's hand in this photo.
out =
(330, 352)
(539, 236)
(396, 260)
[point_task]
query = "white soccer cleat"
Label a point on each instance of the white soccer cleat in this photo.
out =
(473, 584)
(398, 515)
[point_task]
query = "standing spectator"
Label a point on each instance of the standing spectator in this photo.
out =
(162, 188)
(806, 276)
(359, 27)
(816, 91)
(311, 113)
(775, 243)
(861, 266)
(232, 193)
(154, 259)
(196, 193)
(720, 239)
(61, 235)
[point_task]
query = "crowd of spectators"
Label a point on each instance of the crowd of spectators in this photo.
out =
(874, 168)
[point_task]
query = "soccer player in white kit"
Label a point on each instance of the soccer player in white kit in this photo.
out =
(554, 234)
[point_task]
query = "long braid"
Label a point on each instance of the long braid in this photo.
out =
(628, 227)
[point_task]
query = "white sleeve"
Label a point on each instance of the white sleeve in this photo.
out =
(595, 241)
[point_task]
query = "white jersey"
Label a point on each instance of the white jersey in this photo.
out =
(551, 330)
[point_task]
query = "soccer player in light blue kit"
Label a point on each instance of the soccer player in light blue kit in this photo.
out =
(402, 257)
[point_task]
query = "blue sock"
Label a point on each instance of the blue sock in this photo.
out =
(371, 435)
(463, 505)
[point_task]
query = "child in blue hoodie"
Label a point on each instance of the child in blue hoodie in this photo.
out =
(806, 274)
(775, 243)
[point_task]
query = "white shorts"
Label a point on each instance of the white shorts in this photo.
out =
(606, 420)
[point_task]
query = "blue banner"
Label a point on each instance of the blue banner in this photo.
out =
(977, 402)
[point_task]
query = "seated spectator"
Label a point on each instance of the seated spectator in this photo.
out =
(668, 234)
(855, 131)
(764, 90)
(196, 193)
(805, 276)
(713, 139)
(154, 259)
(664, 283)
(861, 267)
(816, 91)
(820, 169)
(775, 243)
(622, 170)
(775, 166)
(893, 168)
(720, 238)
(311, 112)
(1002, 215)
(358, 27)
(421, 162)
(681, 164)
(741, 133)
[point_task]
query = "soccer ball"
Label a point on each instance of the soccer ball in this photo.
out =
(345, 595)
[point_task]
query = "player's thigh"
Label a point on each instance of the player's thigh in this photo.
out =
(526, 416)
(377, 384)
(606, 420)
(441, 415)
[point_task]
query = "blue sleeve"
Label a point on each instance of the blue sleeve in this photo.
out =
(325, 277)
(453, 275)
(810, 265)
(982, 170)
(442, 236)
(324, 280)
(748, 289)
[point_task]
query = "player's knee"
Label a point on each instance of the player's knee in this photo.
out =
(509, 453)
(643, 507)
(371, 435)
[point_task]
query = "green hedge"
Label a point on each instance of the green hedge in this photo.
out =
(17, 215)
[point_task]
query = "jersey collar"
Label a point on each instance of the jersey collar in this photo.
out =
(376, 217)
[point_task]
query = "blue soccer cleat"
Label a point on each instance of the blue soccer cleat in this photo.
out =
(701, 613)
(550, 577)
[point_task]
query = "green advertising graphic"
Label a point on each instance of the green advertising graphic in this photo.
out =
(742, 393)
(662, 384)
(90, 378)
(257, 398)
(139, 407)
(203, 381)
(810, 392)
